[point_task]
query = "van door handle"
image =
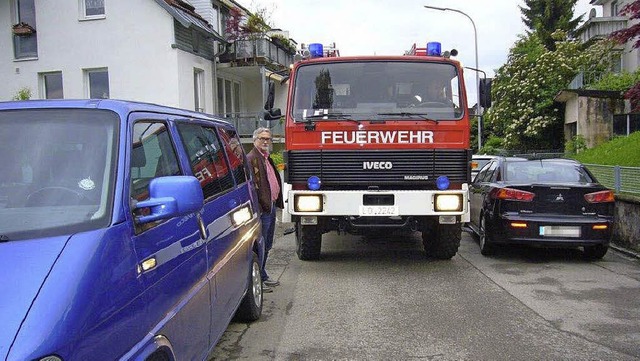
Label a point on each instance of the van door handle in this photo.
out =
(201, 226)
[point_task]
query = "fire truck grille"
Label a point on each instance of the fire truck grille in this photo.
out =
(386, 169)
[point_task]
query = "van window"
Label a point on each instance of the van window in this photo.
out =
(206, 158)
(152, 156)
(235, 153)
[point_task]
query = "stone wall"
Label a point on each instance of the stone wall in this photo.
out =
(626, 230)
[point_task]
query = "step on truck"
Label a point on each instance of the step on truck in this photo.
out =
(375, 144)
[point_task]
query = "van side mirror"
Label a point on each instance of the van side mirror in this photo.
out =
(171, 196)
(484, 93)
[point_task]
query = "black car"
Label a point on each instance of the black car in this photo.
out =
(549, 203)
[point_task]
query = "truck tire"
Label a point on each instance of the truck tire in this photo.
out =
(308, 242)
(443, 241)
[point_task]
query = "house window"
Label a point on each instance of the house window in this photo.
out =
(97, 81)
(198, 89)
(614, 8)
(215, 19)
(25, 45)
(92, 9)
(228, 97)
(52, 85)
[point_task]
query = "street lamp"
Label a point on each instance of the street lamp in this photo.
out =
(475, 34)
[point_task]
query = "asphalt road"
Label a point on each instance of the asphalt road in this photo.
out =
(381, 299)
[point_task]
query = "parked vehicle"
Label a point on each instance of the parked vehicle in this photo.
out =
(550, 203)
(376, 144)
(127, 231)
(477, 162)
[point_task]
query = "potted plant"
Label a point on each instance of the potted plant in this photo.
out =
(22, 29)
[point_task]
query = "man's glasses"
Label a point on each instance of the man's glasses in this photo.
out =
(264, 139)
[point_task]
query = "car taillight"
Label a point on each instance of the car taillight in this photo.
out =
(513, 195)
(600, 197)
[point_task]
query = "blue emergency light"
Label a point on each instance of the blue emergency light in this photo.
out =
(316, 50)
(434, 48)
(314, 183)
(442, 182)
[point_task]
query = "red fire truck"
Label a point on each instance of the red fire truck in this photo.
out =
(376, 144)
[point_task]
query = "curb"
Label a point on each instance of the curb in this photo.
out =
(625, 251)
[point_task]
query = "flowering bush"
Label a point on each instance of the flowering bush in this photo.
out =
(525, 114)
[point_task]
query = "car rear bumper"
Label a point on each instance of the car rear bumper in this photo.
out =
(568, 231)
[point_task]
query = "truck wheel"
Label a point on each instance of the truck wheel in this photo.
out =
(444, 241)
(308, 242)
(251, 306)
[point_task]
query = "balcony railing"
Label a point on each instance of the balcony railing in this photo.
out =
(246, 123)
(584, 79)
(601, 27)
(258, 51)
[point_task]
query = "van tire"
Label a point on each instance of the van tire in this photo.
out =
(308, 242)
(251, 306)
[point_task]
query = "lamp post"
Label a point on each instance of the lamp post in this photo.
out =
(475, 35)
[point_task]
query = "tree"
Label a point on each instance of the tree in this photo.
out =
(544, 17)
(524, 112)
(625, 35)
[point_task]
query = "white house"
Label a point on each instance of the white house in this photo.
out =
(160, 51)
(597, 115)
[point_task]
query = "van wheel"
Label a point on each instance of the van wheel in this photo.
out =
(443, 242)
(251, 307)
(308, 242)
(595, 252)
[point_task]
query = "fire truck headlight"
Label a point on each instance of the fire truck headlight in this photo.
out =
(308, 203)
(442, 182)
(314, 183)
(448, 202)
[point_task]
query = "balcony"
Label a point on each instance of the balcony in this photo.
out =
(601, 27)
(246, 123)
(260, 51)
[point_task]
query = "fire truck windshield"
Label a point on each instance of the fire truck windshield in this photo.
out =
(369, 89)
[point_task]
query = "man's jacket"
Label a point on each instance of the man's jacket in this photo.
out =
(256, 160)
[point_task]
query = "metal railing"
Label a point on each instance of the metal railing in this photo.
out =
(256, 50)
(246, 123)
(620, 179)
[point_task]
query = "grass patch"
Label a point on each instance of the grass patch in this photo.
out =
(622, 151)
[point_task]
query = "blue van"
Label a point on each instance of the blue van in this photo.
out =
(128, 231)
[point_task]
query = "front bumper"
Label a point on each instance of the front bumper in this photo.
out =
(406, 202)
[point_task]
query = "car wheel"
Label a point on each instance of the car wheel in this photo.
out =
(595, 252)
(308, 242)
(486, 248)
(251, 306)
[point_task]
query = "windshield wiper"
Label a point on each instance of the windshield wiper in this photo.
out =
(337, 116)
(409, 115)
(4, 238)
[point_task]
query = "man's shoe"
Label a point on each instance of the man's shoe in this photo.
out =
(271, 283)
(266, 289)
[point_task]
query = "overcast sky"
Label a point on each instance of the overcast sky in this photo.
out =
(368, 27)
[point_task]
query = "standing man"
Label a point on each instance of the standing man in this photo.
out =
(267, 181)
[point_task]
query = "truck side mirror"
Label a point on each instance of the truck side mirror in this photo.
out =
(272, 114)
(271, 94)
(484, 93)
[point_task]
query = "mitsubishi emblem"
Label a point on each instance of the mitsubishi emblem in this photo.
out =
(559, 198)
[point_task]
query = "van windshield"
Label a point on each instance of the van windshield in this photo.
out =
(57, 171)
(366, 89)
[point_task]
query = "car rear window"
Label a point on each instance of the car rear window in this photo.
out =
(539, 171)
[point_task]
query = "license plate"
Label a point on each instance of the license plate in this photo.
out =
(559, 231)
(379, 211)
